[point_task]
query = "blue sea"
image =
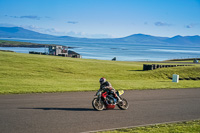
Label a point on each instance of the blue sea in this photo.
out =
(122, 52)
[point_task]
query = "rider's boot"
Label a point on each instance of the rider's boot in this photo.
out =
(118, 98)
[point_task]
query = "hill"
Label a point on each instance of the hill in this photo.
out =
(141, 38)
(185, 40)
(18, 32)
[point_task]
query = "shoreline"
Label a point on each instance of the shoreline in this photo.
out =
(109, 51)
(5, 43)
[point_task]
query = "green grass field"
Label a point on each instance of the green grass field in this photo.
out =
(181, 127)
(26, 73)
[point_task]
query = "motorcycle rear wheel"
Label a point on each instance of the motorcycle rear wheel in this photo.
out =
(97, 105)
(123, 105)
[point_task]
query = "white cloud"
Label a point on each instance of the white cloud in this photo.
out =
(53, 31)
(34, 17)
(72, 22)
(161, 24)
(86, 35)
(192, 25)
(31, 17)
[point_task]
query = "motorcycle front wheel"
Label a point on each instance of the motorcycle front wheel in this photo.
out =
(123, 104)
(97, 105)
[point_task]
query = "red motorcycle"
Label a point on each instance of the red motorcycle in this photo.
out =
(99, 103)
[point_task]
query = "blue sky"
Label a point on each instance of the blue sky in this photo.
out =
(103, 18)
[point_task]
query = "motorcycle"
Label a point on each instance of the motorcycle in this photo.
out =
(99, 103)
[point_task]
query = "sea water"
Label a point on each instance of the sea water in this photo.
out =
(122, 52)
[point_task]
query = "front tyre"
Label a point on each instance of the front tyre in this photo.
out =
(97, 105)
(123, 104)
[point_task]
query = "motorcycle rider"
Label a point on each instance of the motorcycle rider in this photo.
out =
(108, 89)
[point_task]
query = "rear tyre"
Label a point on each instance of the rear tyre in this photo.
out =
(97, 105)
(123, 104)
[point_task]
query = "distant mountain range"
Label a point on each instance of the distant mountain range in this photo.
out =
(18, 32)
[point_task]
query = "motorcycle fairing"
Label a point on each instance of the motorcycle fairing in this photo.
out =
(110, 106)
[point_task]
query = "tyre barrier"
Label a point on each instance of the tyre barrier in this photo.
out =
(189, 78)
(155, 66)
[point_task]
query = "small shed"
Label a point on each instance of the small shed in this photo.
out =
(195, 61)
(73, 54)
(114, 59)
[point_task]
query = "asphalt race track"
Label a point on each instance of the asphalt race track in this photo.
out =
(73, 113)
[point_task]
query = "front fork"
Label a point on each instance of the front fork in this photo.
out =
(99, 99)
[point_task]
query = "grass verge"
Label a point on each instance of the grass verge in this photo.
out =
(180, 127)
(26, 73)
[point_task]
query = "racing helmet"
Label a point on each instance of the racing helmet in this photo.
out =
(102, 80)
